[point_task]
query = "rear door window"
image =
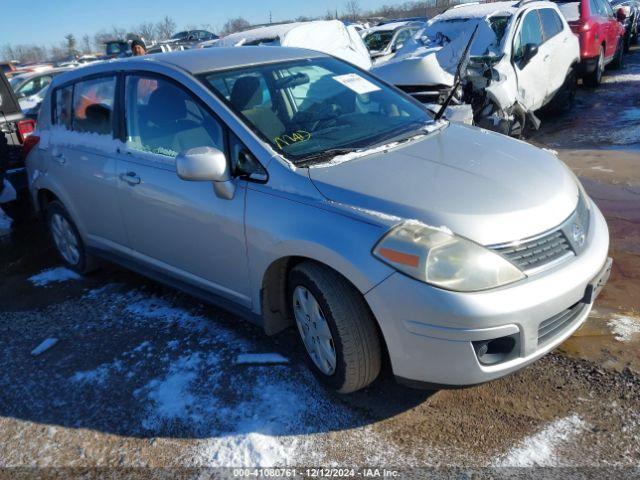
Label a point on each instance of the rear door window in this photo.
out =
(93, 102)
(551, 23)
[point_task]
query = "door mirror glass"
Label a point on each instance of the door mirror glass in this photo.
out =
(530, 51)
(206, 164)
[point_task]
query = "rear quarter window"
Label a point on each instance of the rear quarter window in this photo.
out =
(62, 107)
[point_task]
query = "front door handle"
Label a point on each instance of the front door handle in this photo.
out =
(130, 177)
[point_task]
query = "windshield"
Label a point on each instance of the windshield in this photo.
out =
(490, 33)
(179, 35)
(306, 107)
(379, 40)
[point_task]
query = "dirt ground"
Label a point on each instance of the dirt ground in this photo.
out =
(144, 376)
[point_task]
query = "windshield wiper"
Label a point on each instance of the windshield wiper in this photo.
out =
(324, 155)
(462, 67)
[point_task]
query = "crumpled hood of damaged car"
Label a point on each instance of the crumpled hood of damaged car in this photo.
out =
(480, 184)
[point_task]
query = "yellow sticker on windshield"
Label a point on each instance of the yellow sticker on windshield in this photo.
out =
(289, 138)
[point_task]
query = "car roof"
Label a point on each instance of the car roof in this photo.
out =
(200, 60)
(478, 10)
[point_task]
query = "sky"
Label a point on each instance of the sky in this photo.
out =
(46, 22)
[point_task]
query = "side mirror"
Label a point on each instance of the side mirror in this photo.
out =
(621, 15)
(207, 164)
(530, 51)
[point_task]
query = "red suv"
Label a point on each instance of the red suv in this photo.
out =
(601, 36)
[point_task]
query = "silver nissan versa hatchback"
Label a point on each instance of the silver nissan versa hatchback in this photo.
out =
(297, 190)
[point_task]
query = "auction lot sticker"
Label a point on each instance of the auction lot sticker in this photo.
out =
(356, 83)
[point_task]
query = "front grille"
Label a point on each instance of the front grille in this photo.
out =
(533, 254)
(556, 325)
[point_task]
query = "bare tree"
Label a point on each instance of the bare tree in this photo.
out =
(86, 44)
(165, 28)
(235, 25)
(353, 9)
(71, 45)
(147, 31)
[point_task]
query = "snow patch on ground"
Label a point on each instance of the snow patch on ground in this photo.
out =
(541, 448)
(624, 328)
(53, 275)
(261, 358)
(600, 168)
(99, 375)
(154, 308)
(44, 346)
(171, 395)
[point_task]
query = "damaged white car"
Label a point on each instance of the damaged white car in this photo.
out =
(523, 57)
(326, 36)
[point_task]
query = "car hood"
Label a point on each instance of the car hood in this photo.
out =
(481, 185)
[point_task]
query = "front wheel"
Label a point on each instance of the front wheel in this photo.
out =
(335, 326)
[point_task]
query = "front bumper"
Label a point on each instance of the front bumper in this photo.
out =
(430, 332)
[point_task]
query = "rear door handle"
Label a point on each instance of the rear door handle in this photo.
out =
(131, 178)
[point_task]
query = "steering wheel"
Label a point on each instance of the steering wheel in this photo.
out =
(329, 117)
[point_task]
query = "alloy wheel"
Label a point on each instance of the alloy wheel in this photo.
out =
(65, 239)
(314, 330)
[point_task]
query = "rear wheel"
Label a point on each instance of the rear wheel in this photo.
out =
(594, 78)
(67, 240)
(336, 328)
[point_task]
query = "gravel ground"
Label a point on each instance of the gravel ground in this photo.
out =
(114, 370)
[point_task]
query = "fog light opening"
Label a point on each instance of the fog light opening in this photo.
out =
(491, 352)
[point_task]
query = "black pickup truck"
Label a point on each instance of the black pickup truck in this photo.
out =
(14, 129)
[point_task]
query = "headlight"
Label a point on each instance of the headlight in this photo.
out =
(440, 258)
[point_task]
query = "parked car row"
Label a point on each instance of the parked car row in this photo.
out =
(523, 56)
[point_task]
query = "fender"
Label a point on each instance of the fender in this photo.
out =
(337, 240)
(46, 182)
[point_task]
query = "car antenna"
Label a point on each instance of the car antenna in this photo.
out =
(462, 66)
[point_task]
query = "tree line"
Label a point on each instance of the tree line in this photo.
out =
(73, 47)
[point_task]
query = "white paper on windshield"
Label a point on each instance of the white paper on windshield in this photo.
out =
(356, 83)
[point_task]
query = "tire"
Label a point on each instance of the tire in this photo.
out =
(627, 42)
(62, 229)
(594, 78)
(351, 326)
(512, 128)
(618, 61)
